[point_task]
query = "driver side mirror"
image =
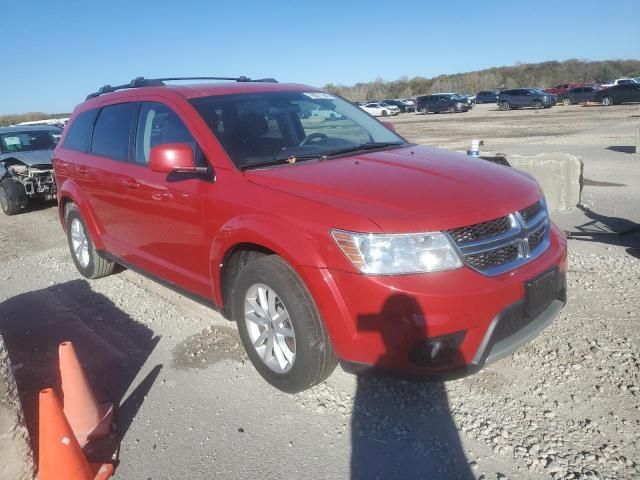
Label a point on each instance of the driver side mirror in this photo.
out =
(174, 158)
(389, 125)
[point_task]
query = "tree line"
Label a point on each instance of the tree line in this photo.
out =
(14, 118)
(545, 74)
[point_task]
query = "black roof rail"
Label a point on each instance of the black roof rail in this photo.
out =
(159, 82)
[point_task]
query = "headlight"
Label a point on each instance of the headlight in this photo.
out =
(382, 254)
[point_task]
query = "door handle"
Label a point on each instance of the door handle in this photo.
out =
(130, 183)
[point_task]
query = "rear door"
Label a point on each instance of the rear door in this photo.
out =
(634, 93)
(102, 173)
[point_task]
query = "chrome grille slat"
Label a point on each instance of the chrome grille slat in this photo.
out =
(504, 243)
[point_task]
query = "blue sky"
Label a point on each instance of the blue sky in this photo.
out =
(57, 52)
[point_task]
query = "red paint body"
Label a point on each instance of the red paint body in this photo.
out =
(181, 231)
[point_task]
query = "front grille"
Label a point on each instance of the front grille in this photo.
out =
(494, 258)
(504, 243)
(536, 238)
(480, 231)
(531, 211)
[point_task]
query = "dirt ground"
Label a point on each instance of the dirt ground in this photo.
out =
(191, 405)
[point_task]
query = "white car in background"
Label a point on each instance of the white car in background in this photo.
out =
(380, 109)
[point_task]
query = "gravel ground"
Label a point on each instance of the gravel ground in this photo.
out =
(191, 405)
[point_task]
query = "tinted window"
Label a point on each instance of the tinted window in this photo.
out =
(157, 125)
(79, 134)
(111, 134)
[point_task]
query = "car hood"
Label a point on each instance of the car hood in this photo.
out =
(35, 157)
(414, 188)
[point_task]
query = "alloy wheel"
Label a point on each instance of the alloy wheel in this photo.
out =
(79, 242)
(4, 202)
(270, 328)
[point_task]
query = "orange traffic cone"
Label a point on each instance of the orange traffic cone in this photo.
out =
(60, 454)
(88, 419)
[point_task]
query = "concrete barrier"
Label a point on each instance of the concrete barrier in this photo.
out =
(16, 459)
(559, 175)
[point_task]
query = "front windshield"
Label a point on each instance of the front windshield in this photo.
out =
(27, 140)
(270, 127)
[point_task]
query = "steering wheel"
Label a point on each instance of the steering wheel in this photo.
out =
(310, 138)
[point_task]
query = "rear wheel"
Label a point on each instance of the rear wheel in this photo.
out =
(87, 260)
(607, 101)
(566, 101)
(12, 196)
(504, 106)
(280, 327)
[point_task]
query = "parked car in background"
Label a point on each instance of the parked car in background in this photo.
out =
(563, 88)
(403, 105)
(621, 93)
(619, 81)
(323, 245)
(393, 108)
(378, 110)
(579, 95)
(441, 102)
(525, 97)
(26, 173)
(320, 113)
(487, 96)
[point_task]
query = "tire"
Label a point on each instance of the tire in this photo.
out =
(537, 104)
(12, 196)
(566, 101)
(86, 259)
(452, 109)
(313, 359)
(424, 110)
(504, 106)
(607, 101)
(384, 113)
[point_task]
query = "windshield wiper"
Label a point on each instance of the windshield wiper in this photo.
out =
(282, 160)
(364, 146)
(279, 160)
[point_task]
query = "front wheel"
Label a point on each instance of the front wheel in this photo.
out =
(607, 101)
(504, 106)
(452, 109)
(12, 196)
(87, 260)
(280, 327)
(566, 101)
(384, 113)
(424, 110)
(538, 105)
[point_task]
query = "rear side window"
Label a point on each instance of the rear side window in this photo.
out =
(79, 135)
(111, 135)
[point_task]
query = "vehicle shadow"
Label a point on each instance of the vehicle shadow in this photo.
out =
(622, 148)
(607, 229)
(111, 346)
(401, 429)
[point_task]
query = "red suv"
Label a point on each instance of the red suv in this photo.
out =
(324, 240)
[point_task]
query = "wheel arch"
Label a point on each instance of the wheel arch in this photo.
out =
(244, 238)
(69, 193)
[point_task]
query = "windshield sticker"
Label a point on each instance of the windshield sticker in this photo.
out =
(12, 141)
(319, 95)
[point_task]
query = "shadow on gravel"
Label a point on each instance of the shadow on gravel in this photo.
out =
(402, 429)
(610, 230)
(622, 148)
(112, 349)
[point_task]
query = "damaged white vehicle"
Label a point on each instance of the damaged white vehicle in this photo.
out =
(26, 173)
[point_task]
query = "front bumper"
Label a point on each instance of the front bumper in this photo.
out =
(377, 323)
